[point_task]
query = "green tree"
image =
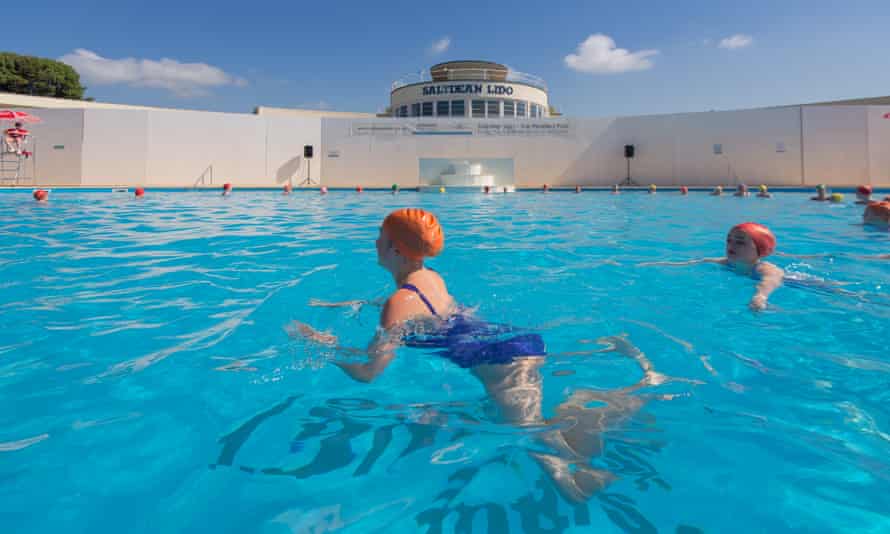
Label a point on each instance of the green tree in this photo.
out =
(37, 76)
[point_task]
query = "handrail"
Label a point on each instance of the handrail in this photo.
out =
(471, 74)
(202, 178)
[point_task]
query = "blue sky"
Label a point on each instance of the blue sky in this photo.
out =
(344, 55)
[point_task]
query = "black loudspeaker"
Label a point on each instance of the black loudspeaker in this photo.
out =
(628, 151)
(307, 151)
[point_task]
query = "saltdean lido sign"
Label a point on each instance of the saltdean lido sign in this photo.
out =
(468, 88)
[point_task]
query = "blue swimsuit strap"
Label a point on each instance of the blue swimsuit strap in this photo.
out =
(411, 287)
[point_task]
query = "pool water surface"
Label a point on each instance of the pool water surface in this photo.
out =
(151, 382)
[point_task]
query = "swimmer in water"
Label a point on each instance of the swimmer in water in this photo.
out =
(863, 194)
(764, 192)
(877, 214)
(821, 194)
(717, 191)
(616, 190)
(652, 189)
(746, 246)
(742, 191)
(421, 313)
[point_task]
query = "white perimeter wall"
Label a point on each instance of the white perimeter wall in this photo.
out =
(879, 145)
(842, 145)
(174, 148)
(57, 143)
(670, 149)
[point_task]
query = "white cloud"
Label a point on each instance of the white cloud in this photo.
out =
(440, 46)
(599, 55)
(182, 79)
(739, 40)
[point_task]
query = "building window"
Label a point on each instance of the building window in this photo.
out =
(415, 109)
(427, 109)
(520, 109)
(403, 111)
(442, 108)
(493, 108)
(509, 108)
(478, 108)
(534, 111)
(457, 108)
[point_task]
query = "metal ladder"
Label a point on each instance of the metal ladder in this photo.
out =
(10, 168)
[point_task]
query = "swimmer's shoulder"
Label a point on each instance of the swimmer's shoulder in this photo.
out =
(766, 269)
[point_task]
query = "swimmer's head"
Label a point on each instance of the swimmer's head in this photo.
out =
(877, 213)
(408, 234)
(763, 188)
(684, 190)
(718, 190)
(742, 188)
(863, 192)
(652, 188)
(748, 242)
(615, 188)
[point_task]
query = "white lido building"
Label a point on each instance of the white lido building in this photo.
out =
(476, 89)
(461, 124)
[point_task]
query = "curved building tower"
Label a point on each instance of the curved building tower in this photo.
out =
(474, 89)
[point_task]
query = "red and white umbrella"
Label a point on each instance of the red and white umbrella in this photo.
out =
(10, 115)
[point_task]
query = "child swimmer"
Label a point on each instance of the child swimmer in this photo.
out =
(746, 246)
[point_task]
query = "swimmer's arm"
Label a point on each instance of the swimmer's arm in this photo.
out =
(346, 303)
(770, 278)
(721, 261)
(379, 352)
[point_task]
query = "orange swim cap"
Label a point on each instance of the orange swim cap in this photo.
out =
(864, 190)
(762, 237)
(416, 233)
(879, 210)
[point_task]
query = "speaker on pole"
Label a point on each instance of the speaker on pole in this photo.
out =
(628, 155)
(307, 155)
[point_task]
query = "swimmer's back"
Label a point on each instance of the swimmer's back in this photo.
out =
(423, 294)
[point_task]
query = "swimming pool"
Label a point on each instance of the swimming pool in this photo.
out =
(149, 383)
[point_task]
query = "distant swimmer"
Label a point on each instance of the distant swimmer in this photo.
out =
(863, 194)
(717, 191)
(877, 214)
(764, 192)
(742, 191)
(821, 194)
(616, 190)
(746, 246)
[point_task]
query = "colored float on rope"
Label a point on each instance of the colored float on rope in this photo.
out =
(41, 195)
(139, 192)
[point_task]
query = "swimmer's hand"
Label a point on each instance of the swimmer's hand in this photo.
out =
(758, 303)
(354, 306)
(298, 329)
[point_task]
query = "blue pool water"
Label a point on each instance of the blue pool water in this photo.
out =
(149, 383)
